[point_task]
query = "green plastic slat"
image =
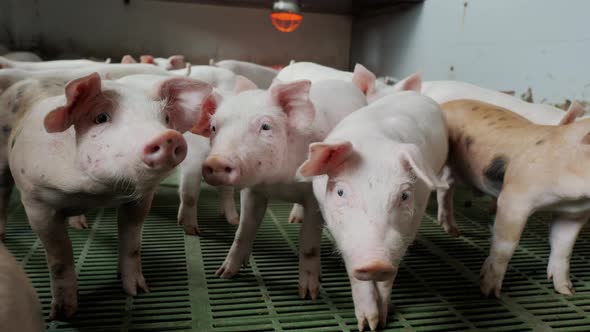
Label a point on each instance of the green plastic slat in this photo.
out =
(437, 287)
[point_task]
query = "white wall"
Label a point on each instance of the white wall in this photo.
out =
(108, 28)
(502, 44)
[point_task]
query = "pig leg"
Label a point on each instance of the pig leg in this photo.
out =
(297, 214)
(384, 289)
(228, 205)
(513, 212)
(78, 222)
(310, 236)
(564, 231)
(444, 198)
(51, 229)
(366, 303)
(189, 188)
(253, 206)
(6, 185)
(130, 218)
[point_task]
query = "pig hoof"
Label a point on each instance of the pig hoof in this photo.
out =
(78, 222)
(371, 318)
(229, 269)
(63, 310)
(491, 278)
(295, 216)
(451, 230)
(309, 284)
(295, 219)
(191, 230)
(561, 280)
(134, 282)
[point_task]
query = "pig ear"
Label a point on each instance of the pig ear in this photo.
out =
(177, 62)
(78, 93)
(243, 84)
(185, 98)
(410, 83)
(128, 59)
(147, 59)
(324, 157)
(293, 98)
(210, 104)
(412, 161)
(364, 79)
(211, 62)
(575, 110)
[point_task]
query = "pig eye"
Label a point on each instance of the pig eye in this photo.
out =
(405, 196)
(340, 192)
(101, 118)
(265, 126)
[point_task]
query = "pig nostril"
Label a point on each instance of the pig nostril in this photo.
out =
(208, 169)
(155, 149)
(228, 169)
(178, 151)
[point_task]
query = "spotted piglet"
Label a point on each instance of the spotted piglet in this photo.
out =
(529, 168)
(98, 144)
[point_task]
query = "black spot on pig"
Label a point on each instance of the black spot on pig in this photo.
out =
(492, 123)
(539, 142)
(475, 108)
(468, 141)
(487, 116)
(6, 129)
(495, 171)
(503, 118)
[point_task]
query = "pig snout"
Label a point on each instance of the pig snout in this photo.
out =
(165, 152)
(218, 170)
(376, 270)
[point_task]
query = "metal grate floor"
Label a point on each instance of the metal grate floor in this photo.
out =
(437, 288)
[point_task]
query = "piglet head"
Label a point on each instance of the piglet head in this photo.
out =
(368, 195)
(176, 62)
(254, 133)
(123, 139)
(375, 89)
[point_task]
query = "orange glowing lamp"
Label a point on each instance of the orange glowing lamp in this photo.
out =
(286, 16)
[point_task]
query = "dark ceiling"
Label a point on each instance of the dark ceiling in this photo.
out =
(343, 7)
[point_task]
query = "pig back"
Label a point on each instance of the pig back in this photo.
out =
(333, 101)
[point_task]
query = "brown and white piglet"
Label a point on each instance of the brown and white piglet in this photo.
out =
(528, 167)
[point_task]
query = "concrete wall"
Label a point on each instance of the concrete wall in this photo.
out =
(502, 44)
(109, 28)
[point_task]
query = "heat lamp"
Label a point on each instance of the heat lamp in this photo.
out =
(286, 15)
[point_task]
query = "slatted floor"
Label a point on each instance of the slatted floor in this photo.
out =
(436, 288)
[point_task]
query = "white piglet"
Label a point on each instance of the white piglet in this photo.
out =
(262, 76)
(372, 177)
(258, 140)
(100, 143)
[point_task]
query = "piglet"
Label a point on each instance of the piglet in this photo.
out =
(258, 140)
(171, 63)
(372, 176)
(98, 144)
(529, 168)
(20, 310)
(43, 65)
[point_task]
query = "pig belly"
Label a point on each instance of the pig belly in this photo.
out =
(571, 206)
(298, 192)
